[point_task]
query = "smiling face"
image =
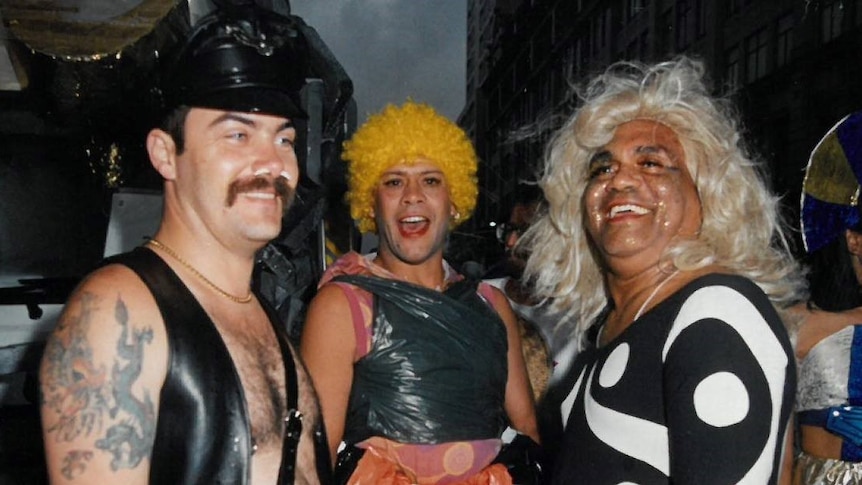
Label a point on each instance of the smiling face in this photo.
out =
(239, 171)
(412, 211)
(640, 196)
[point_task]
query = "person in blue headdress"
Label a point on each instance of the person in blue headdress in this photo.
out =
(829, 344)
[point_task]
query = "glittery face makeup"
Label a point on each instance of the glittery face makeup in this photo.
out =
(640, 196)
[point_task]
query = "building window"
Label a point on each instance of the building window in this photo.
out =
(732, 71)
(553, 26)
(755, 53)
(547, 92)
(579, 57)
(644, 44)
(686, 23)
(637, 48)
(784, 42)
(702, 17)
(831, 14)
(571, 62)
(736, 6)
(609, 21)
(667, 32)
(601, 26)
(634, 8)
(632, 49)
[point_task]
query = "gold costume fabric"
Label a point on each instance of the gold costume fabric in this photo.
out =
(811, 470)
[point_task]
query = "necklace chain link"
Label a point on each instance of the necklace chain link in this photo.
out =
(170, 252)
(654, 293)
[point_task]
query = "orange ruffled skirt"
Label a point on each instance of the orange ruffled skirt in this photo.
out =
(384, 464)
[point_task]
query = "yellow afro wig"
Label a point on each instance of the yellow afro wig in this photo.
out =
(404, 135)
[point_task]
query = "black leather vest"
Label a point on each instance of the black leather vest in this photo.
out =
(203, 432)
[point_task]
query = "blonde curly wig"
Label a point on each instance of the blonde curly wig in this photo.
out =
(406, 134)
(742, 230)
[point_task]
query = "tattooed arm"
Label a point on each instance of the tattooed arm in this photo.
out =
(100, 377)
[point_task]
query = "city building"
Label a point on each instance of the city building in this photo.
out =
(792, 67)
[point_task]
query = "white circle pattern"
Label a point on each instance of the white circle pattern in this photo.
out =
(721, 400)
(615, 366)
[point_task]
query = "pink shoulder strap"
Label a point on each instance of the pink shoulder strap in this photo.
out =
(486, 291)
(361, 328)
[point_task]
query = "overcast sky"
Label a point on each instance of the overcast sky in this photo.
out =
(395, 49)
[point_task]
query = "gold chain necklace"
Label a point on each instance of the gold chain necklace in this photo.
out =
(173, 254)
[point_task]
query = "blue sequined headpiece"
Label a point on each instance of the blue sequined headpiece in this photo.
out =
(830, 191)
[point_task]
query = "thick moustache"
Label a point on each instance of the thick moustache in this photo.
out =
(261, 184)
(260, 187)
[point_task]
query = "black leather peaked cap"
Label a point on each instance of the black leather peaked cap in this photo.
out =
(245, 58)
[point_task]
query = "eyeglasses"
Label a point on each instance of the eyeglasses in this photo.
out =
(506, 229)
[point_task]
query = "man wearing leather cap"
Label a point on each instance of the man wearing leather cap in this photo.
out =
(165, 367)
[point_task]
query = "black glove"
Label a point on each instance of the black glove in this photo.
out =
(524, 459)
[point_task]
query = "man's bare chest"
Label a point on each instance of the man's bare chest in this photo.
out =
(257, 358)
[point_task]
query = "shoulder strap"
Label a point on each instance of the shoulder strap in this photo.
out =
(150, 268)
(360, 331)
(451, 304)
(152, 271)
(188, 326)
(487, 292)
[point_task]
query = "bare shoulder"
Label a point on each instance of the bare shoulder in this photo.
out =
(328, 328)
(100, 377)
(500, 303)
(330, 294)
(328, 351)
(817, 324)
(329, 311)
(108, 303)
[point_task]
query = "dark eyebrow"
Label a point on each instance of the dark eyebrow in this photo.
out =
(651, 149)
(660, 150)
(230, 116)
(600, 157)
(238, 117)
(404, 172)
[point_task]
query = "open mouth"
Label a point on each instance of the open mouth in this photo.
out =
(413, 224)
(413, 220)
(624, 209)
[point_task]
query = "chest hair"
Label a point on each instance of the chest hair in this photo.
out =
(256, 355)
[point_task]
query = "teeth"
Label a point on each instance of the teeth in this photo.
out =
(260, 195)
(413, 219)
(627, 208)
(261, 171)
(286, 175)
